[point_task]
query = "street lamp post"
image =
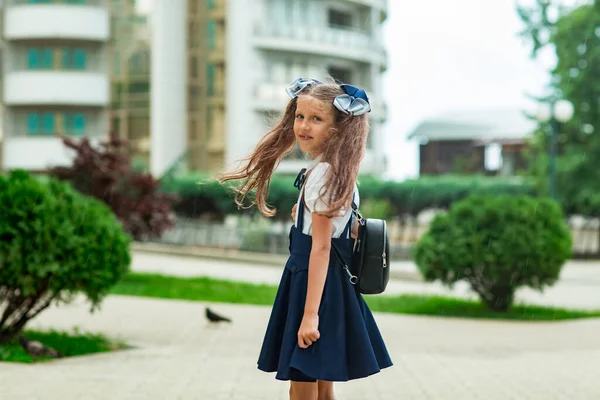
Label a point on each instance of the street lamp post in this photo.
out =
(554, 111)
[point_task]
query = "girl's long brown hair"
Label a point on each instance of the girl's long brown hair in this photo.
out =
(343, 148)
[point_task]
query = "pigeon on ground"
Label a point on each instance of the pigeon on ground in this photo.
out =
(212, 317)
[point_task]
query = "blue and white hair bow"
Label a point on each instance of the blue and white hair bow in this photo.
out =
(297, 85)
(354, 102)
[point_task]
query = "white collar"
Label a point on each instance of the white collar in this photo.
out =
(315, 161)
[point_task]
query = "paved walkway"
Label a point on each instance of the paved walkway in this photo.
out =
(579, 286)
(180, 357)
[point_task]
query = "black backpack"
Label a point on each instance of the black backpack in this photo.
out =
(370, 270)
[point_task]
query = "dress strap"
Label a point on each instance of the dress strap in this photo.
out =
(346, 233)
(299, 184)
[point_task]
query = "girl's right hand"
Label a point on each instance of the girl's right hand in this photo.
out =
(294, 212)
(309, 330)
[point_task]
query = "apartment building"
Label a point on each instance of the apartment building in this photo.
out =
(216, 71)
(54, 78)
(271, 42)
(129, 63)
(158, 80)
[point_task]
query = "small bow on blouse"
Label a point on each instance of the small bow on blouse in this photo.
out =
(299, 182)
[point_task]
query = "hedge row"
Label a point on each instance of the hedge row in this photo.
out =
(407, 197)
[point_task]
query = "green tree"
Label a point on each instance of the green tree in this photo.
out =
(496, 244)
(55, 243)
(574, 34)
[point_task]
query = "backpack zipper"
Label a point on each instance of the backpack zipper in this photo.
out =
(384, 236)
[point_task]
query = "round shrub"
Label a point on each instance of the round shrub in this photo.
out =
(496, 244)
(54, 244)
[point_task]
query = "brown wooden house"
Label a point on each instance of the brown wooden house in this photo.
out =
(477, 142)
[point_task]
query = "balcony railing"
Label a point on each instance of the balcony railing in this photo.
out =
(338, 36)
(55, 59)
(131, 101)
(327, 41)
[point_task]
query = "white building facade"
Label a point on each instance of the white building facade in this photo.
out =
(55, 78)
(272, 42)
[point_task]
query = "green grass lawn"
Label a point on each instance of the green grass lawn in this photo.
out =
(208, 289)
(68, 344)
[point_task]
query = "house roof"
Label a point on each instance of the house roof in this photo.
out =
(487, 125)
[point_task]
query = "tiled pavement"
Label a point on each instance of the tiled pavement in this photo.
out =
(180, 357)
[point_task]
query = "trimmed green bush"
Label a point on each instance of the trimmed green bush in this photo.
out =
(407, 197)
(55, 243)
(497, 244)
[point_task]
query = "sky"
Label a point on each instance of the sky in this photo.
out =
(451, 55)
(447, 56)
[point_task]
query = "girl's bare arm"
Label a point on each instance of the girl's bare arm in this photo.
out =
(319, 261)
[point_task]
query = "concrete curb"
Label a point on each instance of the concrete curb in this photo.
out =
(263, 259)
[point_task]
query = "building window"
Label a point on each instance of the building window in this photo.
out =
(43, 58)
(40, 123)
(116, 67)
(139, 87)
(74, 124)
(340, 19)
(74, 58)
(211, 34)
(341, 75)
(33, 124)
(139, 63)
(193, 66)
(40, 58)
(210, 79)
(194, 98)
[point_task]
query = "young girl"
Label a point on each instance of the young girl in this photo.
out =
(320, 329)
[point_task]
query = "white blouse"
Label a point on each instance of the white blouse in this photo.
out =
(313, 184)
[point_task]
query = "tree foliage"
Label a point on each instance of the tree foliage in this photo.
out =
(54, 243)
(105, 172)
(496, 244)
(384, 198)
(574, 35)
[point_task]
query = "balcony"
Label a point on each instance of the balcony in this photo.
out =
(133, 102)
(35, 153)
(327, 41)
(56, 21)
(23, 88)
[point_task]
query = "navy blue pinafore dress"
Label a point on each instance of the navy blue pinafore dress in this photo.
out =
(350, 344)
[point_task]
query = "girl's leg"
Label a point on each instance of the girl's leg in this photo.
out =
(325, 389)
(303, 390)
